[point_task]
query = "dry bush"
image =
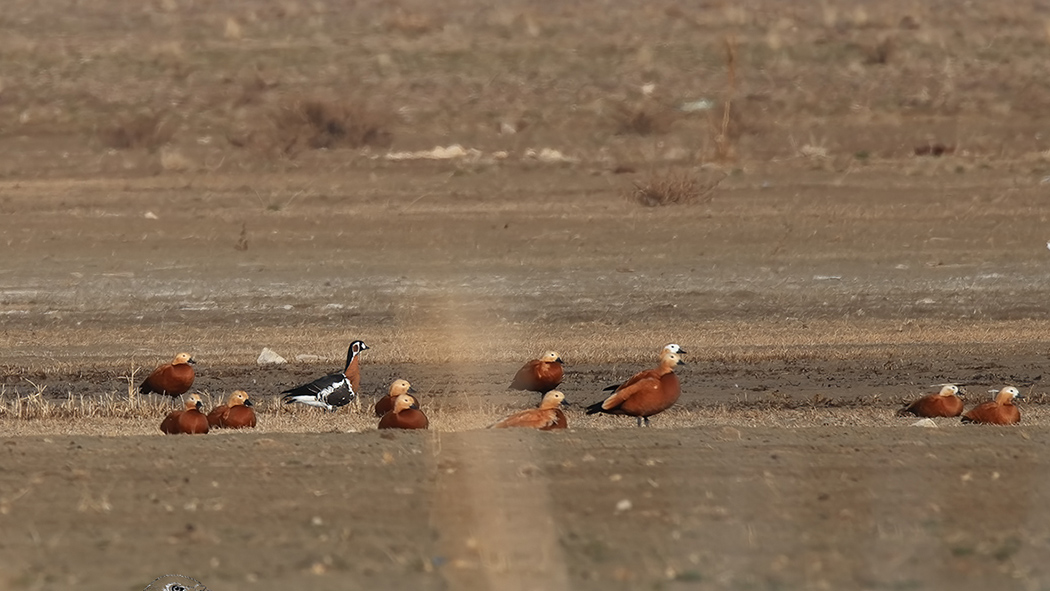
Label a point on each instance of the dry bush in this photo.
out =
(642, 119)
(148, 129)
(316, 123)
(674, 188)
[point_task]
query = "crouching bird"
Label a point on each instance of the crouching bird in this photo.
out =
(546, 417)
(190, 421)
(539, 375)
(404, 415)
(386, 403)
(646, 393)
(1000, 411)
(333, 390)
(235, 414)
(945, 403)
(173, 379)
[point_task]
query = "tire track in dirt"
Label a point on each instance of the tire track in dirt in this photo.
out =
(493, 514)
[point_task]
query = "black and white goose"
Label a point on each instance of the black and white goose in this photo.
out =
(333, 390)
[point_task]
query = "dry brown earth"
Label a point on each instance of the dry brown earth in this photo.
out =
(177, 175)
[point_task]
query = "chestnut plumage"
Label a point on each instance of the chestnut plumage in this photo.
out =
(397, 388)
(546, 417)
(539, 375)
(190, 421)
(405, 415)
(1000, 411)
(646, 393)
(668, 348)
(173, 379)
(333, 390)
(945, 403)
(235, 414)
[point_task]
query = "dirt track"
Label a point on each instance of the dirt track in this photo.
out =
(160, 191)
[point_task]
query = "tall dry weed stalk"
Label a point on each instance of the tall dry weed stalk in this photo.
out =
(724, 150)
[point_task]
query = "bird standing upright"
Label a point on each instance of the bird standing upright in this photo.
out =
(333, 390)
(668, 348)
(646, 393)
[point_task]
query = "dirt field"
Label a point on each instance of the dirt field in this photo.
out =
(866, 215)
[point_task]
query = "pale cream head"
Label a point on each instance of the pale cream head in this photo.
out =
(1007, 394)
(949, 390)
(669, 359)
(182, 358)
(404, 402)
(239, 397)
(193, 401)
(399, 387)
(552, 399)
(550, 357)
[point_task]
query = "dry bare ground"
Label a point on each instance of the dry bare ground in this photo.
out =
(830, 206)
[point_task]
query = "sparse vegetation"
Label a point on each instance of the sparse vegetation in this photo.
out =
(674, 188)
(643, 119)
(148, 129)
(316, 123)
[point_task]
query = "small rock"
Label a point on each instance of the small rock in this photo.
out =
(307, 358)
(928, 423)
(624, 505)
(268, 356)
(150, 216)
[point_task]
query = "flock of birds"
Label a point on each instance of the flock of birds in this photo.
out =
(947, 403)
(645, 394)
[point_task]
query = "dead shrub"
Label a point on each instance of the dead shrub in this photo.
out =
(148, 129)
(324, 124)
(643, 120)
(674, 188)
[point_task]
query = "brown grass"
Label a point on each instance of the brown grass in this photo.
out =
(148, 129)
(317, 123)
(674, 188)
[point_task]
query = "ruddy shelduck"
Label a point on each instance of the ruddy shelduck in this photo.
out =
(405, 415)
(646, 393)
(386, 403)
(333, 390)
(190, 421)
(945, 403)
(668, 348)
(1000, 411)
(173, 379)
(546, 417)
(539, 375)
(235, 414)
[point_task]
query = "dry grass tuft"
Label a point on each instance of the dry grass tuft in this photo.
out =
(674, 188)
(148, 129)
(316, 123)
